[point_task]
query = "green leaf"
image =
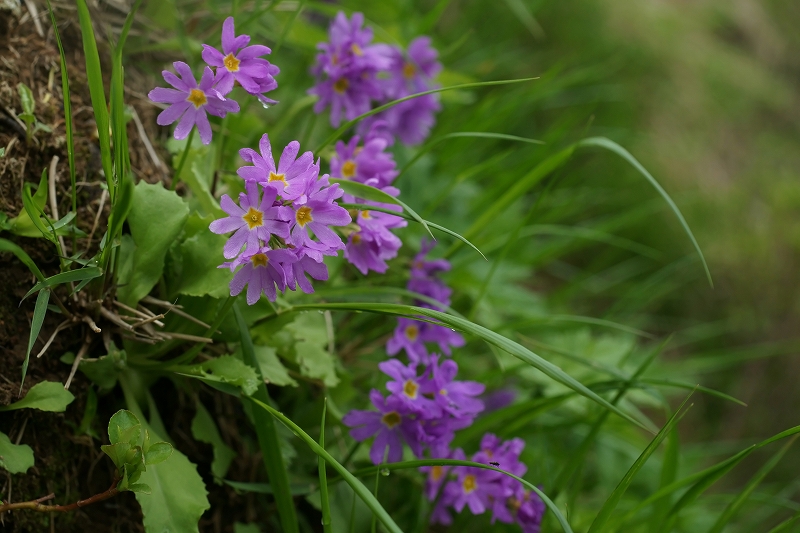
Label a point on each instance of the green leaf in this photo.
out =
(104, 371)
(366, 192)
(140, 488)
(271, 367)
(225, 369)
(8, 246)
(200, 255)
(205, 430)
(26, 98)
(158, 452)
(323, 476)
(33, 205)
(44, 396)
(27, 118)
(311, 352)
(86, 273)
(118, 452)
(268, 439)
(2, 151)
(36, 326)
(156, 218)
(613, 500)
(124, 427)
(239, 527)
(17, 459)
(495, 339)
(602, 142)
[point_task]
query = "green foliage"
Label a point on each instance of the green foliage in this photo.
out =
(14, 458)
(205, 430)
(142, 257)
(28, 106)
(310, 348)
(44, 396)
(226, 370)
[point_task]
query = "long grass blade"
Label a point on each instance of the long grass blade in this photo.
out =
(613, 500)
(371, 193)
(268, 435)
(8, 246)
(745, 493)
(36, 326)
(94, 75)
(784, 526)
(461, 324)
(409, 217)
(362, 491)
(323, 476)
(347, 125)
(66, 277)
(608, 144)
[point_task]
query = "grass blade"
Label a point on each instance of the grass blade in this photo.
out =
(67, 109)
(610, 145)
(495, 339)
(8, 246)
(786, 524)
(613, 500)
(350, 123)
(376, 195)
(741, 498)
(359, 488)
(66, 277)
(36, 326)
(94, 75)
(409, 217)
(268, 436)
(323, 476)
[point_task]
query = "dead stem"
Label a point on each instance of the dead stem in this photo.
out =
(36, 505)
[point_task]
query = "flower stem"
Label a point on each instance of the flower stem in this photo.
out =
(36, 505)
(176, 177)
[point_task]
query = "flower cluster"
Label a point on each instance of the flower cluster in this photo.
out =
(412, 335)
(372, 242)
(352, 74)
(424, 409)
(483, 490)
(190, 102)
(282, 223)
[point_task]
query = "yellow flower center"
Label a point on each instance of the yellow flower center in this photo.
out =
(303, 216)
(254, 218)
(277, 177)
(437, 472)
(409, 70)
(349, 169)
(469, 484)
(231, 63)
(357, 238)
(341, 85)
(410, 389)
(365, 214)
(197, 97)
(356, 49)
(412, 332)
(259, 260)
(443, 392)
(391, 419)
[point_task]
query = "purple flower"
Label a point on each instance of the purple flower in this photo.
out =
(391, 425)
(475, 488)
(242, 63)
(408, 388)
(189, 102)
(368, 250)
(411, 121)
(443, 336)
(407, 336)
(530, 512)
(296, 276)
(454, 397)
(369, 164)
(254, 222)
(289, 179)
(346, 68)
(261, 272)
(317, 213)
(414, 71)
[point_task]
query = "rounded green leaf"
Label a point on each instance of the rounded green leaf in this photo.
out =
(158, 453)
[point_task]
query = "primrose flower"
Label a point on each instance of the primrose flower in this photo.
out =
(289, 179)
(408, 388)
(369, 164)
(346, 69)
(305, 264)
(475, 488)
(317, 213)
(190, 101)
(242, 63)
(413, 71)
(261, 272)
(252, 220)
(391, 425)
(407, 336)
(530, 511)
(368, 250)
(455, 397)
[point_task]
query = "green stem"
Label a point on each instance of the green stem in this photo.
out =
(177, 176)
(268, 436)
